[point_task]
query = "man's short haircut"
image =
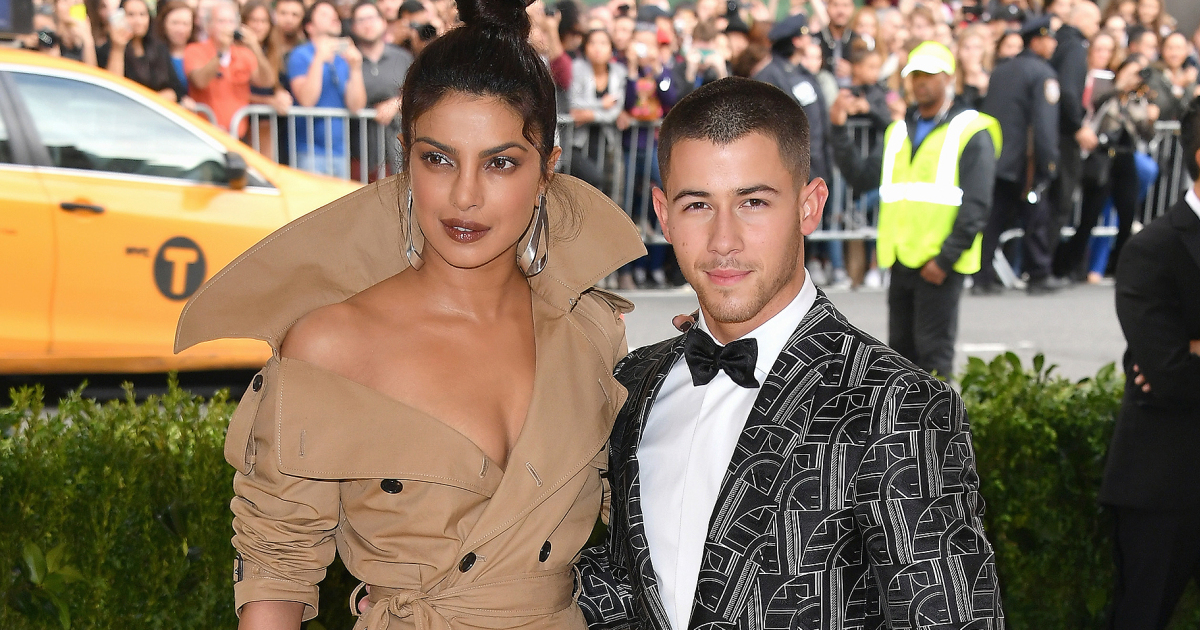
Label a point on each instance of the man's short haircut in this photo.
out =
(1189, 137)
(279, 2)
(727, 110)
(365, 3)
(308, 15)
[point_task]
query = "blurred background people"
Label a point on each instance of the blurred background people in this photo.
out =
(175, 25)
(384, 68)
(221, 68)
(598, 86)
(135, 52)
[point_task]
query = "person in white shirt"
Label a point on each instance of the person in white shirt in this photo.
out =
(774, 466)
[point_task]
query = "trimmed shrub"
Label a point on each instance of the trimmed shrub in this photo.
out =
(116, 515)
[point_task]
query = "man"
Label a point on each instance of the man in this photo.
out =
(325, 72)
(289, 18)
(802, 475)
(940, 154)
(1026, 106)
(384, 68)
(1082, 22)
(789, 39)
(1152, 477)
(221, 68)
(835, 38)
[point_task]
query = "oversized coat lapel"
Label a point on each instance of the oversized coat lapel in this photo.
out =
(743, 518)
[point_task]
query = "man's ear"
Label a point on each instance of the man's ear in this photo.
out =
(660, 209)
(812, 205)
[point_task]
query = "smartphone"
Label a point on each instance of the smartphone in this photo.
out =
(237, 36)
(117, 20)
(343, 44)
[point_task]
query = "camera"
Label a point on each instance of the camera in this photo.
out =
(47, 39)
(623, 9)
(551, 10)
(732, 7)
(237, 36)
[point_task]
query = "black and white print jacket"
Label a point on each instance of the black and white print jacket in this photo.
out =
(851, 500)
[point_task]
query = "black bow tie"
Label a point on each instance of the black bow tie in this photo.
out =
(705, 358)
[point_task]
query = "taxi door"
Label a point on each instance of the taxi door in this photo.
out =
(143, 214)
(26, 247)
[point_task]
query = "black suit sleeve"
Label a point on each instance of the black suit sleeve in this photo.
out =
(861, 172)
(1073, 77)
(1045, 126)
(1150, 314)
(605, 599)
(976, 177)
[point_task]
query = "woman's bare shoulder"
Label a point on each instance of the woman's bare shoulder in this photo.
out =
(323, 337)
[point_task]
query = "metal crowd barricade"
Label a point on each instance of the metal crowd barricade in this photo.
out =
(200, 109)
(376, 151)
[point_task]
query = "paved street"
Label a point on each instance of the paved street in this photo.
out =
(1076, 329)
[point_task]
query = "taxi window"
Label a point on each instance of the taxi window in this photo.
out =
(6, 151)
(89, 127)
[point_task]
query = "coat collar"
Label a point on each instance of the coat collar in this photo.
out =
(342, 248)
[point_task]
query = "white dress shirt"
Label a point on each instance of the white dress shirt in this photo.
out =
(686, 447)
(1193, 200)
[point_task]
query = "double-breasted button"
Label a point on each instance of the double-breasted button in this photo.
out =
(391, 486)
(468, 561)
(256, 384)
(545, 553)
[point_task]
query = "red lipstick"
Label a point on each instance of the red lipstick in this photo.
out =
(464, 231)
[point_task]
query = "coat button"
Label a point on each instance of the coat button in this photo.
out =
(391, 486)
(468, 561)
(256, 384)
(545, 553)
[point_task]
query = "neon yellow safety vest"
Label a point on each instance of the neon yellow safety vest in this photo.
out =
(919, 195)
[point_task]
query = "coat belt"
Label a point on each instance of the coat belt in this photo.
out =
(525, 595)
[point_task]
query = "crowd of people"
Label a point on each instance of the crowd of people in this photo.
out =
(1119, 69)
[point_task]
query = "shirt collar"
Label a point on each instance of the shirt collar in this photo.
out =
(1193, 200)
(773, 334)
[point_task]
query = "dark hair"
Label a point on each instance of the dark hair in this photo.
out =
(860, 50)
(363, 3)
(411, 6)
(490, 56)
(727, 110)
(308, 14)
(1189, 137)
(568, 13)
(596, 32)
(160, 19)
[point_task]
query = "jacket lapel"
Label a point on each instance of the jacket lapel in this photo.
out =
(644, 379)
(1188, 224)
(748, 500)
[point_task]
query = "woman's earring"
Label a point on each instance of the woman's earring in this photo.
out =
(410, 250)
(533, 258)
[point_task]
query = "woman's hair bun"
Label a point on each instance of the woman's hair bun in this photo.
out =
(507, 16)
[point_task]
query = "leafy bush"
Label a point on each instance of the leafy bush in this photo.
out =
(116, 515)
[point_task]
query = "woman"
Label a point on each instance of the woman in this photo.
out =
(256, 15)
(135, 53)
(597, 96)
(1150, 14)
(974, 66)
(1173, 80)
(1008, 46)
(1123, 122)
(98, 13)
(438, 412)
(865, 24)
(176, 25)
(74, 37)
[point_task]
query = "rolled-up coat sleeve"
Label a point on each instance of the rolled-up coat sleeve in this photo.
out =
(283, 525)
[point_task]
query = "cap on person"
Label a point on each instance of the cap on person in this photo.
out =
(1037, 27)
(650, 13)
(793, 26)
(930, 58)
(736, 25)
(1007, 13)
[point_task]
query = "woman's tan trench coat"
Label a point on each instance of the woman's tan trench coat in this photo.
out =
(445, 537)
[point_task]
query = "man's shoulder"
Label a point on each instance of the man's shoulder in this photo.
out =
(637, 364)
(397, 54)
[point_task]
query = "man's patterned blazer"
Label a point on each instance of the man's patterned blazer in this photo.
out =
(851, 500)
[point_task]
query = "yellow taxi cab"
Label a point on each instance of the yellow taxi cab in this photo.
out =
(115, 206)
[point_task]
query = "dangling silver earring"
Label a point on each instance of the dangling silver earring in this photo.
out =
(533, 258)
(410, 250)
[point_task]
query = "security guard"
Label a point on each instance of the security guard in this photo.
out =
(1024, 98)
(789, 38)
(935, 171)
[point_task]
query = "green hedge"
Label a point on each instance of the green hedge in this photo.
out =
(116, 515)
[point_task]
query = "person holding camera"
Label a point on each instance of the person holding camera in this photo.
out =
(325, 72)
(1121, 126)
(221, 68)
(134, 52)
